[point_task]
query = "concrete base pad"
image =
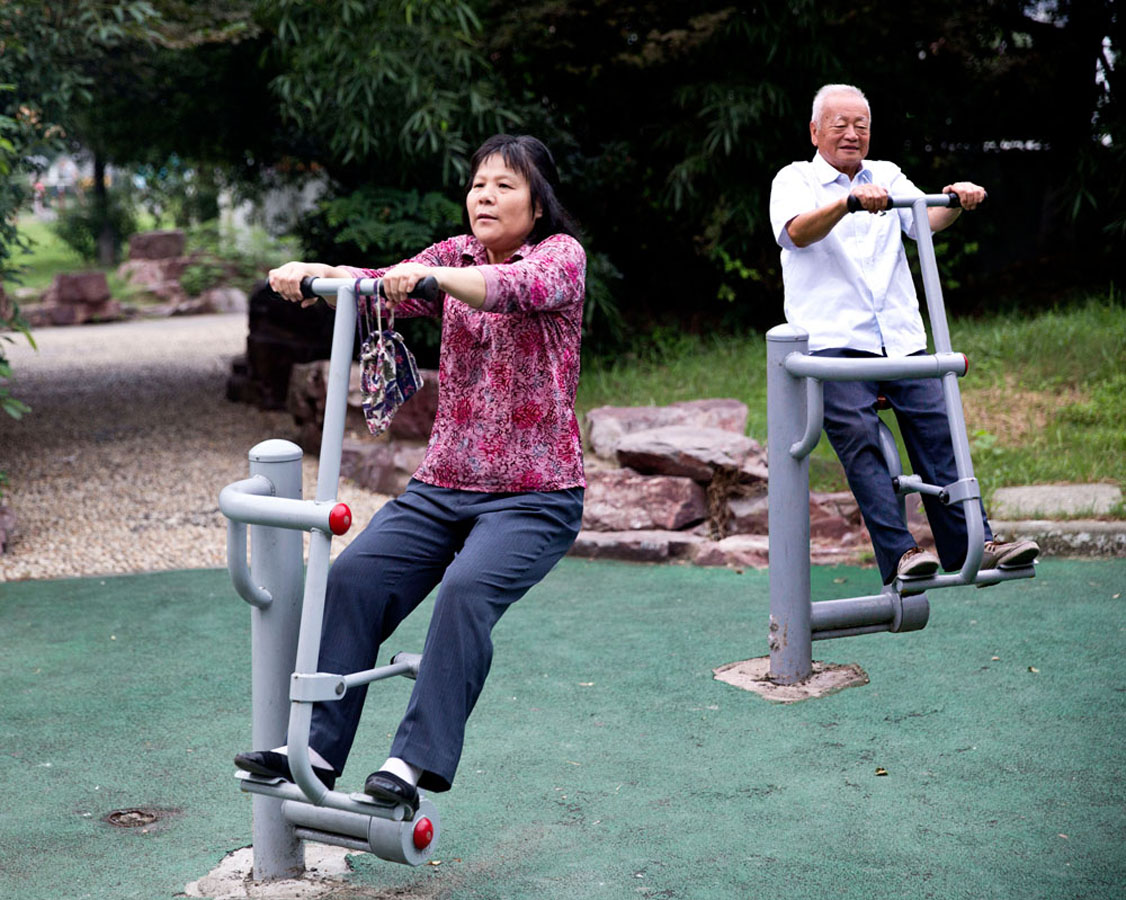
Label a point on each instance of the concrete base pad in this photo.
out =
(827, 678)
(232, 879)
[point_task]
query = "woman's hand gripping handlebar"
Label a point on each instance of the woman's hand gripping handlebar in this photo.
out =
(312, 288)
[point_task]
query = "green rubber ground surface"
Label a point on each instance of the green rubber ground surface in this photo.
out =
(603, 760)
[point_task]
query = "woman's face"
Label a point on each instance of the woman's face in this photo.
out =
(500, 208)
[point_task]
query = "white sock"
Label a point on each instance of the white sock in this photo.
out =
(403, 769)
(314, 757)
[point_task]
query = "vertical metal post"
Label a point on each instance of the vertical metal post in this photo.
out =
(936, 309)
(320, 543)
(275, 564)
(791, 648)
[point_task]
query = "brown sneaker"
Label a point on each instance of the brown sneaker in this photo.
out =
(916, 563)
(1008, 554)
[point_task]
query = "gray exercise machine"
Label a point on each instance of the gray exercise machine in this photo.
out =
(794, 420)
(287, 605)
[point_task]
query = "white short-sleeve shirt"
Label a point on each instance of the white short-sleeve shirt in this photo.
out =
(853, 288)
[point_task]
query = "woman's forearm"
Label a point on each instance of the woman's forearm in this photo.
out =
(467, 285)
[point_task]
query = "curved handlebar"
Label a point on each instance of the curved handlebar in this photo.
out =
(427, 289)
(951, 200)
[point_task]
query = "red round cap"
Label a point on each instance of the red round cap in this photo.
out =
(423, 833)
(340, 519)
(967, 361)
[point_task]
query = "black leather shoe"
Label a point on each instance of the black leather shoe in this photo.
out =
(391, 788)
(269, 764)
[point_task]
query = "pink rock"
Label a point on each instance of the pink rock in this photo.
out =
(307, 392)
(830, 553)
(623, 500)
(748, 515)
(78, 297)
(78, 289)
(157, 244)
(607, 425)
(697, 453)
(386, 467)
(305, 401)
(415, 418)
(740, 550)
(7, 527)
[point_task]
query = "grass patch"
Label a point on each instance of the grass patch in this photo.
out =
(50, 256)
(1045, 397)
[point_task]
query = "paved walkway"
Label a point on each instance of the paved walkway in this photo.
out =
(604, 760)
(118, 466)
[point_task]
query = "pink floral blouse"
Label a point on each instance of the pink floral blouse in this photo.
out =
(507, 372)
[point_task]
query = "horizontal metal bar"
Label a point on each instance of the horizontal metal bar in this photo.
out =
(874, 368)
(876, 609)
(414, 660)
(849, 632)
(245, 501)
(369, 675)
(333, 821)
(329, 287)
(914, 484)
(335, 840)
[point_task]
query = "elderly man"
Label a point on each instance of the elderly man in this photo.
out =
(848, 284)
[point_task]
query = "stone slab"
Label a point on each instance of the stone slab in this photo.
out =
(1073, 537)
(1049, 501)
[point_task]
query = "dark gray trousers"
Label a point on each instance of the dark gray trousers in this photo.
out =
(486, 550)
(852, 424)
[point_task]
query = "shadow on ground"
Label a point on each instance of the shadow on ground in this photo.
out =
(603, 760)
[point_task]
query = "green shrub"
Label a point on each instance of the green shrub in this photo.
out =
(80, 223)
(239, 260)
(201, 275)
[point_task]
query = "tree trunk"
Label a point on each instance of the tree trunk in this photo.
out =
(106, 241)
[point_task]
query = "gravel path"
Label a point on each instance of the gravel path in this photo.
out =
(119, 465)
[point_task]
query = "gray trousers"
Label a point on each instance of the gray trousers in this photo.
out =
(486, 550)
(852, 424)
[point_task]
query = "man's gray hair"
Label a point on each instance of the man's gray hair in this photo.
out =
(819, 98)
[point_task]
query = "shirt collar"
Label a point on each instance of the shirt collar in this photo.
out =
(827, 174)
(476, 254)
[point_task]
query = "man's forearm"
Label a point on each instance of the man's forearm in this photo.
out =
(942, 216)
(811, 227)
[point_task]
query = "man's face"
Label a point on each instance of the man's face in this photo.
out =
(842, 134)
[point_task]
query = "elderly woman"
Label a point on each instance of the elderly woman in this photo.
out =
(498, 498)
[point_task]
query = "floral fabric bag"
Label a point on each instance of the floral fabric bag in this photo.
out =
(388, 373)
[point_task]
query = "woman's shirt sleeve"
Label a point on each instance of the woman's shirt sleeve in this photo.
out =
(551, 277)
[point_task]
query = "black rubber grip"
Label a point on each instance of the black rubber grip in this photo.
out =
(426, 289)
(854, 203)
(307, 288)
(955, 200)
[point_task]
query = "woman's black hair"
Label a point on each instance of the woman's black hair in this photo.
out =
(527, 155)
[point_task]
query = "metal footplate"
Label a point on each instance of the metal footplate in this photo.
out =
(389, 830)
(984, 578)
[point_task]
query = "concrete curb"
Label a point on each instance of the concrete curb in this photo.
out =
(1075, 537)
